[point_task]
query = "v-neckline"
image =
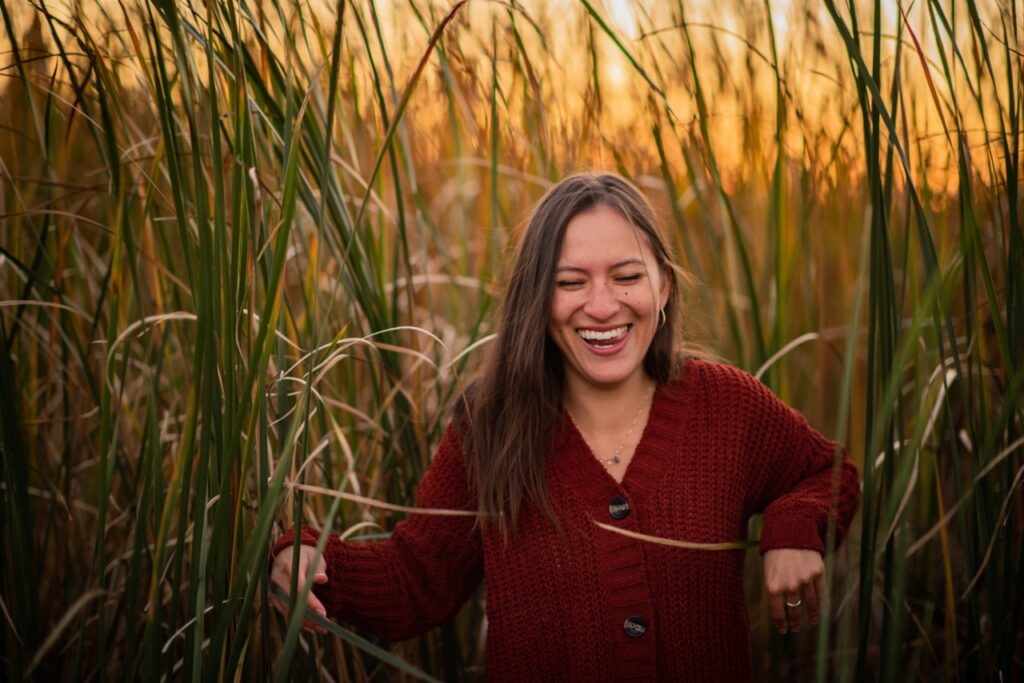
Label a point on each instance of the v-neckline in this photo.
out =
(668, 417)
(637, 450)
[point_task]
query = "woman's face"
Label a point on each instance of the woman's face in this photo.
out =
(608, 291)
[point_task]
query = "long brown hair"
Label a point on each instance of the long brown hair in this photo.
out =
(510, 413)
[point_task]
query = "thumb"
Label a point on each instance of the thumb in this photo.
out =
(321, 572)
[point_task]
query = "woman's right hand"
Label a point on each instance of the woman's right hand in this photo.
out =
(281, 574)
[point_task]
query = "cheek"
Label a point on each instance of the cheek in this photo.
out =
(561, 309)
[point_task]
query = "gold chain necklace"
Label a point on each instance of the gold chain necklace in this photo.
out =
(615, 459)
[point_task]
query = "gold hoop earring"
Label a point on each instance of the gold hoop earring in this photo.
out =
(662, 318)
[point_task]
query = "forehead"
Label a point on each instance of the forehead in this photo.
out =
(603, 234)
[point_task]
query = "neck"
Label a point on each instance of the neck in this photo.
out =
(608, 406)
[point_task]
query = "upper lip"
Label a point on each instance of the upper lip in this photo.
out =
(602, 328)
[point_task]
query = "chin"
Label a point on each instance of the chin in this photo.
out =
(607, 378)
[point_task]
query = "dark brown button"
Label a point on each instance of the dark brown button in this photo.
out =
(634, 627)
(618, 508)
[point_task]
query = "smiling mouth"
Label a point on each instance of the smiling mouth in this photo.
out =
(604, 339)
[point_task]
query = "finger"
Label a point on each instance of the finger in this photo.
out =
(279, 580)
(310, 625)
(794, 607)
(819, 590)
(321, 571)
(307, 624)
(313, 603)
(776, 611)
(280, 599)
(282, 582)
(319, 577)
(811, 602)
(316, 605)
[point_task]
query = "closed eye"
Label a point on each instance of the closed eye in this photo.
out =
(569, 284)
(630, 278)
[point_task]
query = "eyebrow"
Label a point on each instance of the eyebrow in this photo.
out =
(617, 264)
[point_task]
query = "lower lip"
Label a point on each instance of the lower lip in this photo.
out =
(607, 350)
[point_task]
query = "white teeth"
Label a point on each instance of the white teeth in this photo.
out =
(594, 335)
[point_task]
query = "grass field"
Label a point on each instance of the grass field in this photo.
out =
(249, 248)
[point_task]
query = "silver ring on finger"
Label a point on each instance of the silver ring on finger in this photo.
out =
(799, 601)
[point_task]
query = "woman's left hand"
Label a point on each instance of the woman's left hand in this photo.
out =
(795, 582)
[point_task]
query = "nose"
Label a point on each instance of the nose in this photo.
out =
(602, 302)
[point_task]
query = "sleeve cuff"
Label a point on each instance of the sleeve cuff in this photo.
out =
(790, 531)
(308, 536)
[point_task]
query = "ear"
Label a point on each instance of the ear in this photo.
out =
(667, 279)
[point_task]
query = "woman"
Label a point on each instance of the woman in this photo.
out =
(585, 422)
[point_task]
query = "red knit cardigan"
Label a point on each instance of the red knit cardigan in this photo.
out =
(596, 605)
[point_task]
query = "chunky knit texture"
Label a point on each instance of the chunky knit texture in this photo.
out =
(718, 447)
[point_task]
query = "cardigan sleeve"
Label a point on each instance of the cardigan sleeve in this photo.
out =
(418, 578)
(799, 479)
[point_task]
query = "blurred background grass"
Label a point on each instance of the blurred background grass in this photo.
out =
(252, 245)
